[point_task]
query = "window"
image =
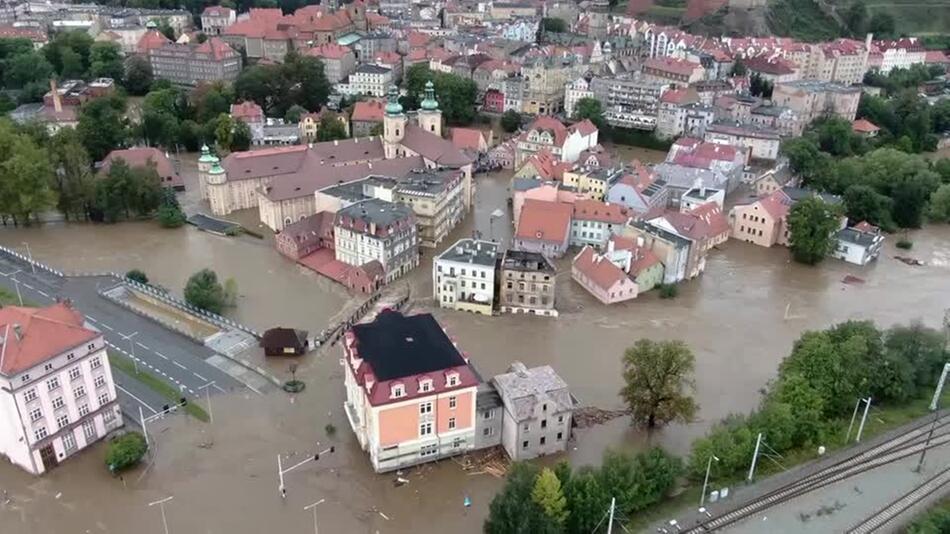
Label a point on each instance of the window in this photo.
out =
(26, 378)
(103, 399)
(560, 419)
(425, 385)
(58, 403)
(83, 410)
(30, 395)
(52, 383)
(91, 346)
(74, 373)
(524, 444)
(69, 441)
(70, 356)
(36, 414)
(425, 407)
(544, 423)
(560, 436)
(109, 417)
(543, 439)
(40, 433)
(453, 380)
(425, 429)
(48, 367)
(398, 391)
(89, 430)
(525, 427)
(490, 431)
(429, 450)
(452, 403)
(95, 363)
(451, 423)
(488, 414)
(62, 421)
(99, 381)
(457, 442)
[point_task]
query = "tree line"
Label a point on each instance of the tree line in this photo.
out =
(807, 405)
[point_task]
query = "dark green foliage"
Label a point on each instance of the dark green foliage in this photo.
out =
(102, 126)
(137, 275)
(25, 176)
(511, 121)
(759, 86)
(668, 291)
(554, 25)
(105, 61)
(138, 75)
(934, 521)
(899, 79)
(591, 109)
(203, 290)
(812, 223)
(74, 181)
(169, 213)
(456, 95)
(125, 451)
(802, 19)
(330, 129)
(658, 382)
(904, 244)
(126, 192)
(863, 203)
(299, 80)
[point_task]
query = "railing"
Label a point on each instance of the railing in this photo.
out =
(31, 261)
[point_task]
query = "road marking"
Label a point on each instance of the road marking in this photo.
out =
(107, 327)
(250, 387)
(179, 365)
(28, 286)
(199, 376)
(143, 403)
(143, 346)
(160, 355)
(91, 318)
(41, 292)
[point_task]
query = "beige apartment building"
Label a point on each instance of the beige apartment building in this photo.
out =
(544, 81)
(527, 284)
(811, 99)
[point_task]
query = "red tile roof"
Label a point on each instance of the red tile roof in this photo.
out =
(368, 110)
(387, 58)
(711, 214)
(770, 65)
(468, 138)
(217, 11)
(682, 67)
(30, 336)
(550, 124)
(143, 157)
(595, 210)
(585, 127)
(151, 39)
(864, 126)
(329, 51)
(599, 270)
(248, 111)
(32, 34)
(216, 48)
(544, 221)
(777, 204)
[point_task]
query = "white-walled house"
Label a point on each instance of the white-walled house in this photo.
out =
(463, 276)
(57, 394)
(859, 244)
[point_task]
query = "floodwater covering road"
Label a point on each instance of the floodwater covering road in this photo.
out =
(740, 318)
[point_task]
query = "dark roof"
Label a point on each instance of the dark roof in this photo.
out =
(801, 193)
(284, 337)
(397, 346)
(519, 260)
(851, 235)
(372, 69)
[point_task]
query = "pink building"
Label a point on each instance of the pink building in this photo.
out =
(601, 277)
(410, 392)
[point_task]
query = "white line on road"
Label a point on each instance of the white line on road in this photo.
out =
(250, 387)
(28, 286)
(143, 346)
(143, 403)
(160, 355)
(41, 292)
(203, 379)
(91, 318)
(107, 327)
(179, 365)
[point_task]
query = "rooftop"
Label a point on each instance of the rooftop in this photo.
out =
(400, 346)
(471, 251)
(30, 336)
(523, 388)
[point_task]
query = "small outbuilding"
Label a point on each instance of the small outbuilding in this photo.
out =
(284, 342)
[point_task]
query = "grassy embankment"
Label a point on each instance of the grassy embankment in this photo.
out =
(163, 388)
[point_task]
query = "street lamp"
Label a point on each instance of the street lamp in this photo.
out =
(132, 349)
(702, 498)
(314, 508)
(281, 471)
(17, 284)
(30, 255)
(207, 388)
(161, 505)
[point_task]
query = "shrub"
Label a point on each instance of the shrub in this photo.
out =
(668, 291)
(137, 275)
(330, 430)
(905, 244)
(204, 291)
(125, 451)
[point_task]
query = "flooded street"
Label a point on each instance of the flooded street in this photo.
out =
(740, 318)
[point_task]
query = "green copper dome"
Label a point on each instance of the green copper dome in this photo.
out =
(216, 168)
(429, 103)
(206, 156)
(393, 107)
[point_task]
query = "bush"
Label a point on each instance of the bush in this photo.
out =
(905, 244)
(330, 430)
(204, 291)
(170, 216)
(125, 451)
(511, 121)
(137, 275)
(668, 291)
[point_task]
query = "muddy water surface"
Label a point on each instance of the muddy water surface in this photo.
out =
(740, 318)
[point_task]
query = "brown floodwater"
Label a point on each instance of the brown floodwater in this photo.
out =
(740, 318)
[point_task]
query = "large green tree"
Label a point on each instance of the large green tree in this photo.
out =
(658, 382)
(73, 179)
(126, 192)
(25, 177)
(105, 61)
(591, 109)
(299, 80)
(940, 204)
(102, 126)
(511, 121)
(812, 223)
(513, 511)
(203, 290)
(138, 75)
(456, 95)
(330, 129)
(863, 203)
(548, 494)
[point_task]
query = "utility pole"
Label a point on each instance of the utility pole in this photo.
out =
(207, 389)
(610, 521)
(144, 430)
(281, 471)
(129, 337)
(314, 508)
(702, 498)
(854, 416)
(934, 407)
(864, 418)
(30, 255)
(161, 505)
(755, 456)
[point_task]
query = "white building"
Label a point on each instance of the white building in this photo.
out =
(463, 277)
(860, 244)
(376, 231)
(573, 93)
(370, 80)
(898, 54)
(57, 395)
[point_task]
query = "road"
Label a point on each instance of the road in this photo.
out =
(166, 354)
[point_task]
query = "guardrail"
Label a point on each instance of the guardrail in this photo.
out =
(32, 262)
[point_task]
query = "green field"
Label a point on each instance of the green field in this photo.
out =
(915, 17)
(158, 385)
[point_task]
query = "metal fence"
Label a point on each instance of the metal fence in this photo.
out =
(31, 262)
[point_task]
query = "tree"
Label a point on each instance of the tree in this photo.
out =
(105, 61)
(138, 75)
(73, 181)
(294, 113)
(137, 275)
(511, 121)
(69, 53)
(922, 349)
(882, 24)
(210, 100)
(586, 497)
(804, 156)
(910, 195)
(456, 95)
(102, 126)
(940, 204)
(738, 68)
(241, 138)
(166, 29)
(591, 109)
(224, 131)
(169, 213)
(812, 223)
(548, 495)
(658, 377)
(25, 175)
(25, 68)
(863, 203)
(856, 18)
(127, 192)
(513, 511)
(760, 86)
(125, 451)
(204, 291)
(330, 128)
(553, 25)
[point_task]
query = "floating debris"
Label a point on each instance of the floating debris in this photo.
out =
(589, 416)
(851, 279)
(909, 261)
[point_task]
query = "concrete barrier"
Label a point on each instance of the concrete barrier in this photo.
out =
(31, 262)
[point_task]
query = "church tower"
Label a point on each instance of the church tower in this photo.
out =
(430, 117)
(205, 162)
(394, 125)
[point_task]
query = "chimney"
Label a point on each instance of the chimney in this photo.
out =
(610, 246)
(57, 103)
(18, 331)
(639, 241)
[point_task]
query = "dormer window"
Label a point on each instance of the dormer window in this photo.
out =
(452, 379)
(398, 390)
(425, 385)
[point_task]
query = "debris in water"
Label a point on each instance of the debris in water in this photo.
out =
(400, 481)
(908, 260)
(589, 416)
(467, 502)
(851, 279)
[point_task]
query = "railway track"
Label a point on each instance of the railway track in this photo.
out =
(904, 502)
(906, 444)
